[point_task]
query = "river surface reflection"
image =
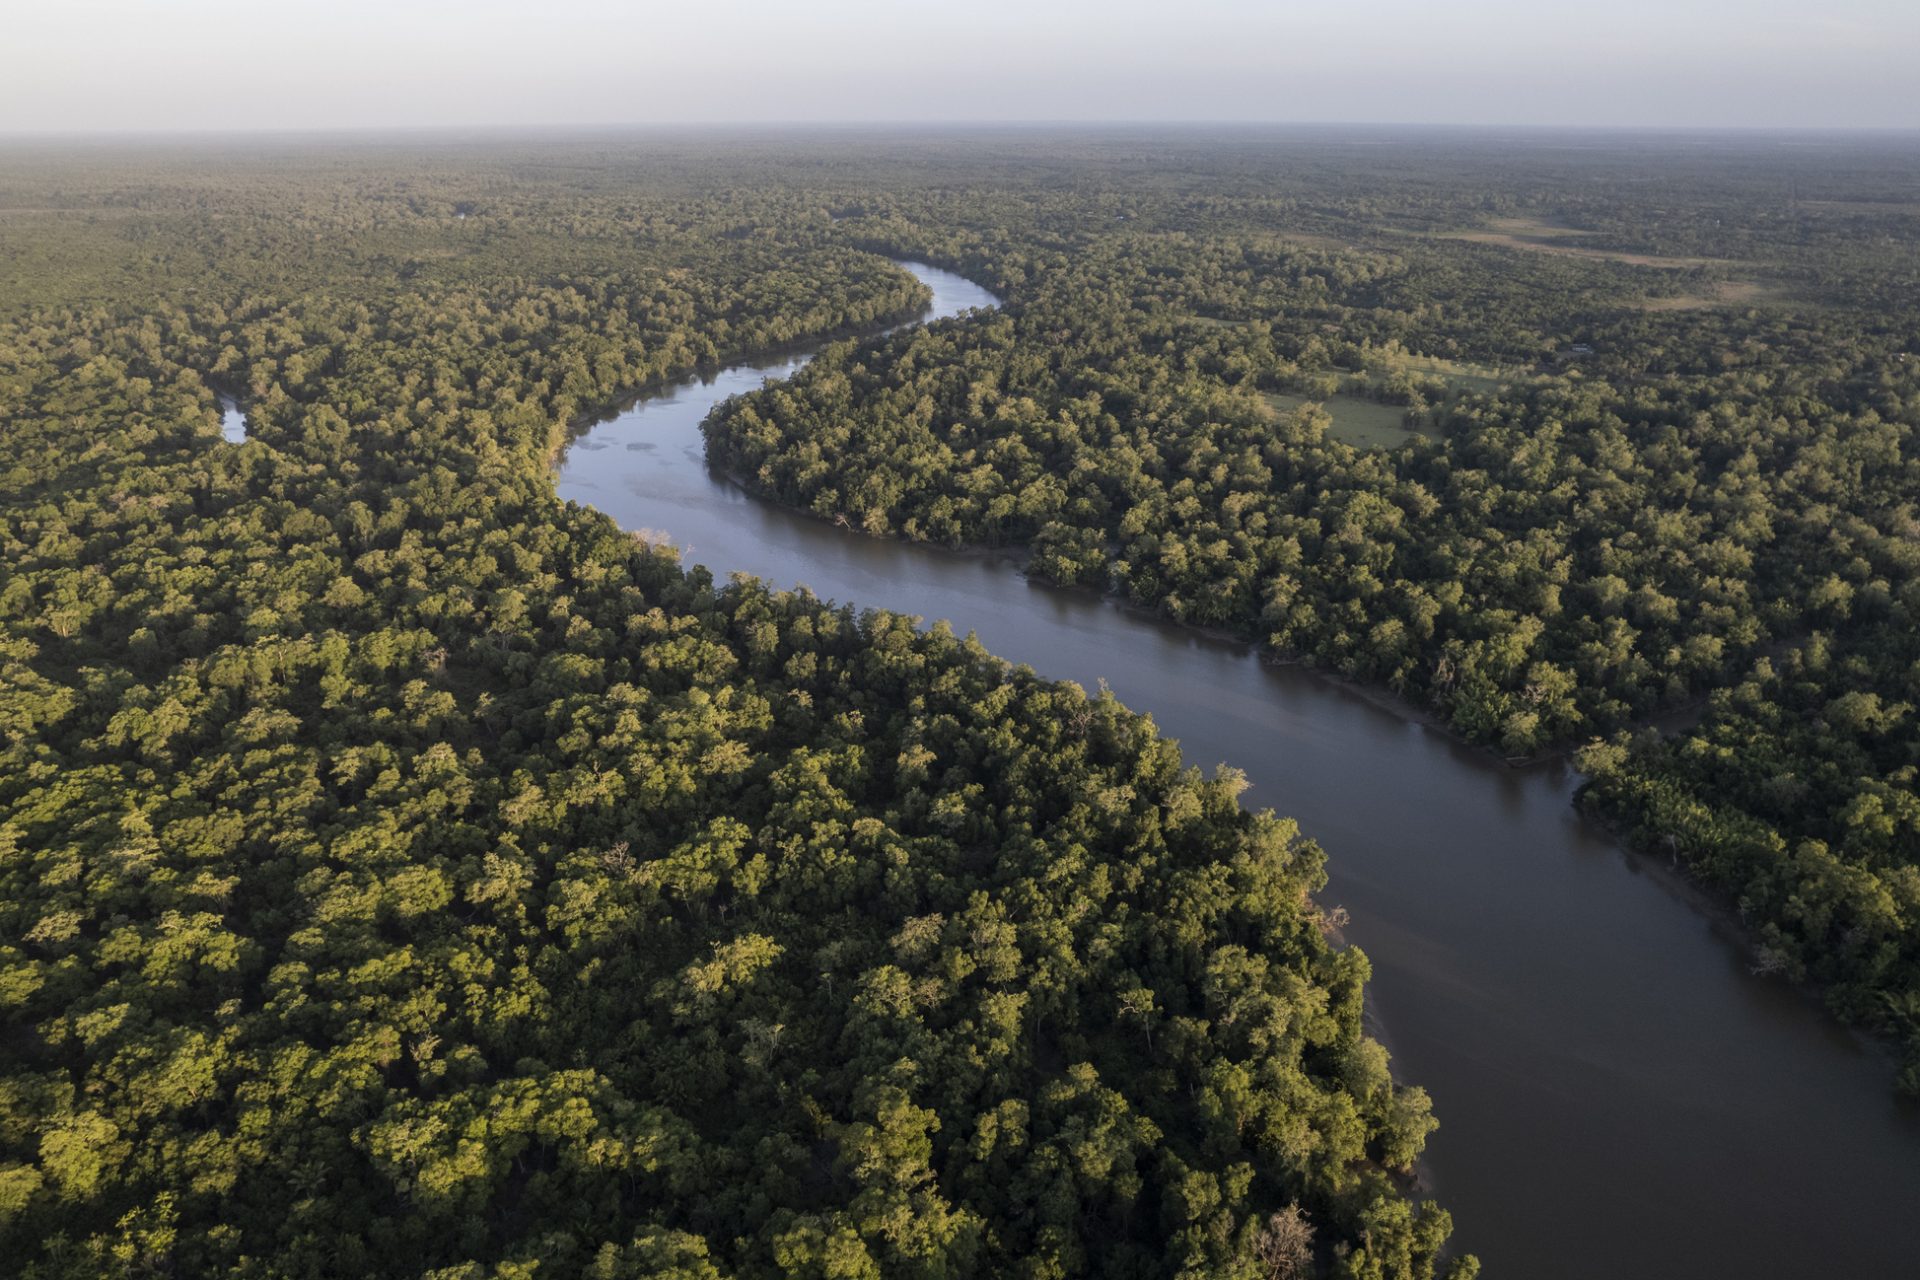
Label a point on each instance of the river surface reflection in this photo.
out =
(233, 420)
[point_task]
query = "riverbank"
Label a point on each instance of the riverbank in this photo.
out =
(1715, 904)
(582, 423)
(1019, 556)
(1719, 905)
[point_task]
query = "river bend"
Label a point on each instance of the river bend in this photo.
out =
(1618, 1096)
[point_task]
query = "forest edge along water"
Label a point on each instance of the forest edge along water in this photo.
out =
(1618, 1095)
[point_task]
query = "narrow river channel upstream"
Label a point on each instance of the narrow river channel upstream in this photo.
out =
(1618, 1097)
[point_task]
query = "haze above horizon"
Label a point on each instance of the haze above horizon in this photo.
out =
(123, 65)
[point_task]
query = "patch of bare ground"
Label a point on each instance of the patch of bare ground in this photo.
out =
(1314, 240)
(1720, 293)
(1541, 236)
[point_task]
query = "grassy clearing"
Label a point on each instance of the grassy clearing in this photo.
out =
(1458, 375)
(1542, 236)
(1579, 251)
(1369, 405)
(1364, 424)
(1539, 228)
(1720, 293)
(1314, 240)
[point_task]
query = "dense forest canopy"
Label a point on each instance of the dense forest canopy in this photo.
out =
(405, 873)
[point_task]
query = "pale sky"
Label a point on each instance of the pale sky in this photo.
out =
(302, 64)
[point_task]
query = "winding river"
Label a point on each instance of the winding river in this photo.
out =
(1618, 1097)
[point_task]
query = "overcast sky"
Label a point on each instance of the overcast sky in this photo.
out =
(271, 64)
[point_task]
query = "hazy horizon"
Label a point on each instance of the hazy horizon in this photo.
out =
(488, 130)
(199, 66)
